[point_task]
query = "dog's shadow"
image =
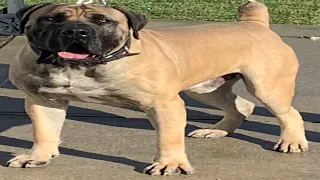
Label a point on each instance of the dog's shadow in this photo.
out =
(8, 141)
(118, 121)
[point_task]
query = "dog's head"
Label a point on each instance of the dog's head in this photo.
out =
(79, 31)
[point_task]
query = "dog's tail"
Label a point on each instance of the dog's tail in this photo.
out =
(255, 12)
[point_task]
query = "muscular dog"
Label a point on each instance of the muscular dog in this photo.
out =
(102, 54)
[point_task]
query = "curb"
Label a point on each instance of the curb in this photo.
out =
(6, 41)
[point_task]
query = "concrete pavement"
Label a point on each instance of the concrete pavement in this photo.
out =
(102, 142)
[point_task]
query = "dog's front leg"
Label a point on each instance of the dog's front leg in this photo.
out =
(47, 120)
(169, 120)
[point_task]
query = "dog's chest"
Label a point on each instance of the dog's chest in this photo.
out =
(78, 84)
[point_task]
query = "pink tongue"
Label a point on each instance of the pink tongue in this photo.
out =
(69, 55)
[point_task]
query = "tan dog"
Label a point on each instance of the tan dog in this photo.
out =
(98, 54)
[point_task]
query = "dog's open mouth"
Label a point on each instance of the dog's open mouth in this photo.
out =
(75, 52)
(70, 55)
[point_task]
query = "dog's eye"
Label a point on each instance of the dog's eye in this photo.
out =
(53, 18)
(50, 18)
(101, 19)
(104, 20)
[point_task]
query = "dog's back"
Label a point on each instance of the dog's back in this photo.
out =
(210, 46)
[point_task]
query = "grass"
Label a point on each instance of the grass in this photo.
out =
(282, 11)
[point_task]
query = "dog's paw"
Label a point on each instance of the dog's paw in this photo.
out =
(208, 133)
(291, 146)
(28, 161)
(166, 169)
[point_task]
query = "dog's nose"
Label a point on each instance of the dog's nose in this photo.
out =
(76, 33)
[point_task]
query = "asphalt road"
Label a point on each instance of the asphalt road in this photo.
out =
(102, 142)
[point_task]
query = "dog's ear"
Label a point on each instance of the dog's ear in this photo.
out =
(136, 21)
(24, 13)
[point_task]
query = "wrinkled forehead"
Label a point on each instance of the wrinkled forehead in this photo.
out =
(80, 12)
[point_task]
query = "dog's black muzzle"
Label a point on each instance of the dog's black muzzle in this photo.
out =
(77, 36)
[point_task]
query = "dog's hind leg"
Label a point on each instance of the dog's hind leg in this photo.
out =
(276, 93)
(47, 120)
(236, 110)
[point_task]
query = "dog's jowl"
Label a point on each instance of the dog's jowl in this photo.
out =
(103, 54)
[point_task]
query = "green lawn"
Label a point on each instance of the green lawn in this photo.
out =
(282, 11)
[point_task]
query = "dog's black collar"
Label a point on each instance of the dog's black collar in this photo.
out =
(121, 53)
(48, 58)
